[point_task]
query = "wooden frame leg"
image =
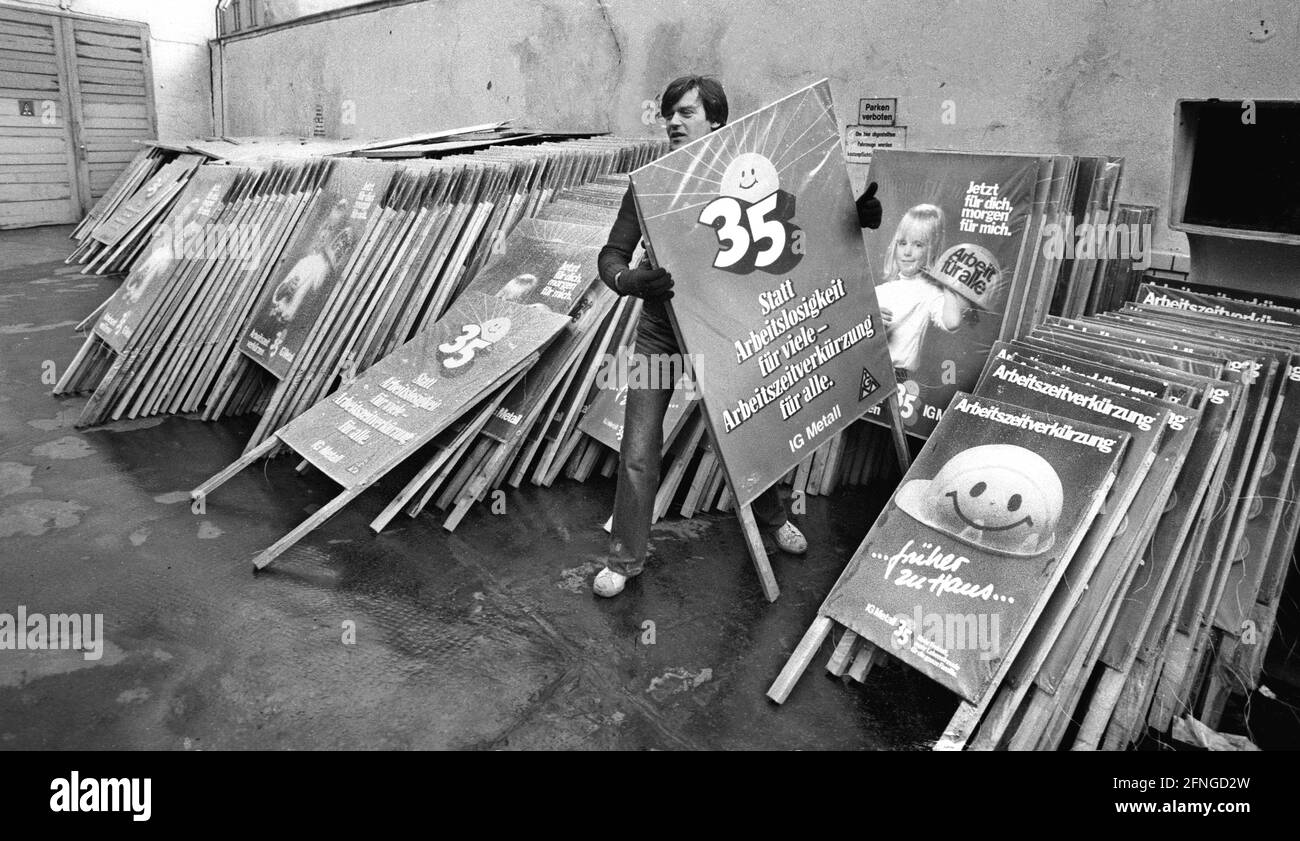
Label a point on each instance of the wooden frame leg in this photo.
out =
(754, 540)
(900, 436)
(71, 370)
(326, 511)
(960, 727)
(799, 659)
(1104, 700)
(868, 656)
(843, 654)
(234, 467)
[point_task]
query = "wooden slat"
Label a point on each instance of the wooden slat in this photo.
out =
(78, 172)
(9, 178)
(29, 129)
(108, 65)
(116, 110)
(109, 157)
(148, 80)
(138, 96)
(103, 144)
(104, 27)
(27, 63)
(39, 95)
(31, 58)
(110, 54)
(9, 13)
(29, 81)
(24, 160)
(100, 39)
(13, 159)
(35, 212)
(34, 192)
(30, 145)
(36, 46)
(118, 131)
(9, 123)
(96, 167)
(89, 87)
(26, 30)
(103, 75)
(45, 174)
(93, 123)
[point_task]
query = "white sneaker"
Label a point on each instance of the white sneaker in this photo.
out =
(608, 583)
(790, 539)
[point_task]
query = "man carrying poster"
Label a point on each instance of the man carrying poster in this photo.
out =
(693, 107)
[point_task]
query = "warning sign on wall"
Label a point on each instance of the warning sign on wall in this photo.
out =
(861, 142)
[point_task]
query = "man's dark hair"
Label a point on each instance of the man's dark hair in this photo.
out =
(711, 94)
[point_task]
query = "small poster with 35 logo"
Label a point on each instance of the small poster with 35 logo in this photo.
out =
(415, 392)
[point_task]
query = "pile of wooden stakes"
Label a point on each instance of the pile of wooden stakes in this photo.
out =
(1167, 606)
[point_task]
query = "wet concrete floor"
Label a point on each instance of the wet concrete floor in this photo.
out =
(488, 637)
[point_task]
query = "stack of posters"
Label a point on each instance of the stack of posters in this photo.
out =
(974, 248)
(160, 341)
(120, 225)
(289, 279)
(1167, 601)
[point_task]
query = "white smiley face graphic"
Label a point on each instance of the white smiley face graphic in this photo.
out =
(750, 177)
(997, 496)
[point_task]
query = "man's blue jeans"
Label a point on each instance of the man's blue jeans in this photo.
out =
(640, 458)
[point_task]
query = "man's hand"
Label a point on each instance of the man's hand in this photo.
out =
(869, 208)
(647, 283)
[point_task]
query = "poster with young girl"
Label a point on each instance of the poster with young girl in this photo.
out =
(956, 224)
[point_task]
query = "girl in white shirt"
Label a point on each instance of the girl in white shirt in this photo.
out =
(910, 301)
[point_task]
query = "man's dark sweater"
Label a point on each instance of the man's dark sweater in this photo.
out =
(655, 333)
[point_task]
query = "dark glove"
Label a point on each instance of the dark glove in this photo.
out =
(647, 283)
(869, 208)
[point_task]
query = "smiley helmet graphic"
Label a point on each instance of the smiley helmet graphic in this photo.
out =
(998, 497)
(750, 176)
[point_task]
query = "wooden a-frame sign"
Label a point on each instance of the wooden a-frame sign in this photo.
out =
(363, 430)
(774, 295)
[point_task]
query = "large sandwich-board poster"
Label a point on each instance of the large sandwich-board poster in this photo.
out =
(773, 297)
(955, 224)
(969, 548)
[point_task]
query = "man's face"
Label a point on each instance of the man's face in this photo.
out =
(687, 120)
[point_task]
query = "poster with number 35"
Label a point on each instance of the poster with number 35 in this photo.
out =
(773, 295)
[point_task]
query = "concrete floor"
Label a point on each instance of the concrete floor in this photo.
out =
(485, 638)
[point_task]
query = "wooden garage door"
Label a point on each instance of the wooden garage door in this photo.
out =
(113, 87)
(37, 166)
(75, 95)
